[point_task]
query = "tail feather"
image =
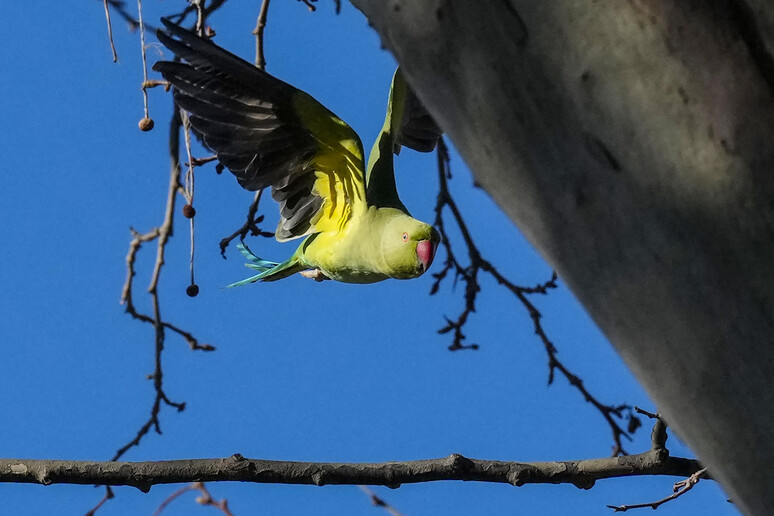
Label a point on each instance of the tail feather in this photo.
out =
(251, 279)
(268, 271)
(256, 263)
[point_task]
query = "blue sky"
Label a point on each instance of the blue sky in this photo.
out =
(302, 371)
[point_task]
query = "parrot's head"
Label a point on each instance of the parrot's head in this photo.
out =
(409, 246)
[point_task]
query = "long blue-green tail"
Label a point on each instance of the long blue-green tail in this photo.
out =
(267, 271)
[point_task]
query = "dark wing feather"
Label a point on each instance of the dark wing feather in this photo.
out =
(418, 130)
(258, 126)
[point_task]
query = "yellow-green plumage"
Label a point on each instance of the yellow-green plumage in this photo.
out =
(371, 248)
(268, 133)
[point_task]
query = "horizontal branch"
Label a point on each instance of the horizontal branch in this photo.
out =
(143, 475)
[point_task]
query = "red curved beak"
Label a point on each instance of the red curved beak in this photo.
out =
(425, 253)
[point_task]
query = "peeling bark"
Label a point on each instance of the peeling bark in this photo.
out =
(631, 142)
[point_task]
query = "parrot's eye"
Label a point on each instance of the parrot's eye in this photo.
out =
(405, 237)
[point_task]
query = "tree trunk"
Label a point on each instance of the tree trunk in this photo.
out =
(631, 141)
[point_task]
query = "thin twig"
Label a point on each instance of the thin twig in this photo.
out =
(120, 7)
(198, 5)
(147, 123)
(309, 4)
(680, 488)
(260, 59)
(206, 11)
(166, 228)
(204, 499)
(470, 275)
(107, 496)
(198, 162)
(110, 31)
(188, 193)
(250, 226)
(171, 498)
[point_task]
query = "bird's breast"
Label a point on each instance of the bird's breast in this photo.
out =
(349, 257)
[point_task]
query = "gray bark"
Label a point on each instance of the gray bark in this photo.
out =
(631, 142)
(142, 475)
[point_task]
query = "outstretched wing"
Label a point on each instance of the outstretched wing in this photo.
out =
(407, 123)
(418, 130)
(268, 133)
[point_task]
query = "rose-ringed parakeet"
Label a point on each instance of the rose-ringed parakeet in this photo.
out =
(268, 133)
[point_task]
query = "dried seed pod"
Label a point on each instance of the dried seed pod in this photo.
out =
(146, 124)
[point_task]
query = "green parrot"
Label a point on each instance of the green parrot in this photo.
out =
(268, 133)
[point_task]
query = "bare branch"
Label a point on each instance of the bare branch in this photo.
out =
(469, 275)
(161, 236)
(142, 475)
